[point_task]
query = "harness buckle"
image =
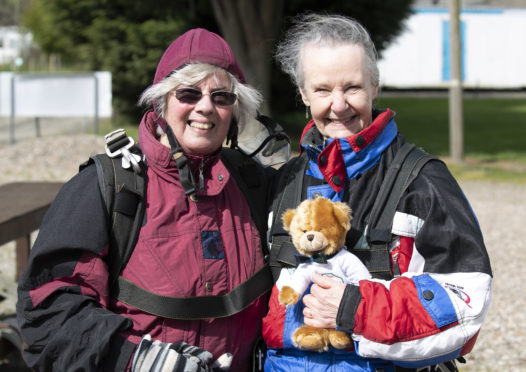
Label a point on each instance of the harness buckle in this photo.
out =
(119, 143)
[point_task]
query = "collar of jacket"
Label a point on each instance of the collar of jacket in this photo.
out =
(158, 157)
(346, 158)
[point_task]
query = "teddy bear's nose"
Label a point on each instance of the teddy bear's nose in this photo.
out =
(310, 237)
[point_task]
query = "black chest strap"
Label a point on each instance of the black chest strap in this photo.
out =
(198, 307)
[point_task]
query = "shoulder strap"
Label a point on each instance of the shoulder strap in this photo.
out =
(289, 192)
(406, 165)
(123, 191)
(253, 184)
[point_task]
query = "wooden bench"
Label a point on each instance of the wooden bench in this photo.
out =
(22, 207)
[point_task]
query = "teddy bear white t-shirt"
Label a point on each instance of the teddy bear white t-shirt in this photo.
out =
(344, 267)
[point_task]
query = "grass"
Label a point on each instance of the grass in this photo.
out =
(494, 133)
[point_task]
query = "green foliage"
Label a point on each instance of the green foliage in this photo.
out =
(126, 38)
(491, 125)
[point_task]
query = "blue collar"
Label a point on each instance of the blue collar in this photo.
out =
(346, 158)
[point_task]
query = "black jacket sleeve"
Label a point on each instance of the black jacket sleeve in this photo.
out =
(63, 295)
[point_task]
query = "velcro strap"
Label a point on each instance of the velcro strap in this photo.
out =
(379, 235)
(199, 307)
(185, 176)
(376, 259)
(126, 202)
(118, 144)
(287, 253)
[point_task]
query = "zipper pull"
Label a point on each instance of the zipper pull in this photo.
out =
(201, 177)
(396, 267)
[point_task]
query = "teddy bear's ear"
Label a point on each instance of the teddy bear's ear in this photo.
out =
(287, 218)
(343, 214)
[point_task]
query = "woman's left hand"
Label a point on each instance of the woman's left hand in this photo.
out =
(321, 305)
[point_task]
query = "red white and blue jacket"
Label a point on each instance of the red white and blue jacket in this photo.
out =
(429, 314)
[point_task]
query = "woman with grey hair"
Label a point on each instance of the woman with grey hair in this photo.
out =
(178, 303)
(431, 284)
(244, 108)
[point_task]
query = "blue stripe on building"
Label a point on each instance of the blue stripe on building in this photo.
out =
(446, 52)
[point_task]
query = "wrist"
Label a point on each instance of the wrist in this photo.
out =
(348, 307)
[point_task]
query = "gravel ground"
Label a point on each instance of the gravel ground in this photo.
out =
(500, 207)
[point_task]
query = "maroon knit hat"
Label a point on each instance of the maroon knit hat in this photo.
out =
(198, 45)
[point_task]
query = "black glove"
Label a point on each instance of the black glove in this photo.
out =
(157, 356)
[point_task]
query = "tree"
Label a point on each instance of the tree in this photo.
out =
(11, 11)
(253, 27)
(128, 37)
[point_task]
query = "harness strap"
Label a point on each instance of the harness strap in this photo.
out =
(292, 188)
(405, 167)
(282, 249)
(123, 192)
(200, 307)
(252, 185)
(185, 175)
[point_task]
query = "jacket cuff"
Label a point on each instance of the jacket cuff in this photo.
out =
(120, 354)
(348, 307)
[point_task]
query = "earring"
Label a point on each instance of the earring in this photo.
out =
(306, 112)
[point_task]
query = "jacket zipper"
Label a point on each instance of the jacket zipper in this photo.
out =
(395, 253)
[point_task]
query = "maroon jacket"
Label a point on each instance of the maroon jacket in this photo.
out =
(185, 249)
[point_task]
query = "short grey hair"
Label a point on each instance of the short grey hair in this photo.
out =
(245, 108)
(323, 30)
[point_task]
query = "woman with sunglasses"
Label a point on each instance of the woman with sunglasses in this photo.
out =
(198, 238)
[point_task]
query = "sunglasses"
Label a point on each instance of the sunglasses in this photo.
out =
(191, 95)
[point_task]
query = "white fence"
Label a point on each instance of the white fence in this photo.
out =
(55, 95)
(493, 50)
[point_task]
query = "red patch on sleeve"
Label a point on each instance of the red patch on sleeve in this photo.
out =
(90, 275)
(405, 253)
(274, 322)
(392, 315)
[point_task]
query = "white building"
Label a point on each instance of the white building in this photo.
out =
(493, 49)
(13, 43)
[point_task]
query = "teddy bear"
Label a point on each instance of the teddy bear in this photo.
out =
(318, 228)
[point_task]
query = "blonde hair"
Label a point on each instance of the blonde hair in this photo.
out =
(245, 108)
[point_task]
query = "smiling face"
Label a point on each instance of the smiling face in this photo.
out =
(200, 128)
(338, 88)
